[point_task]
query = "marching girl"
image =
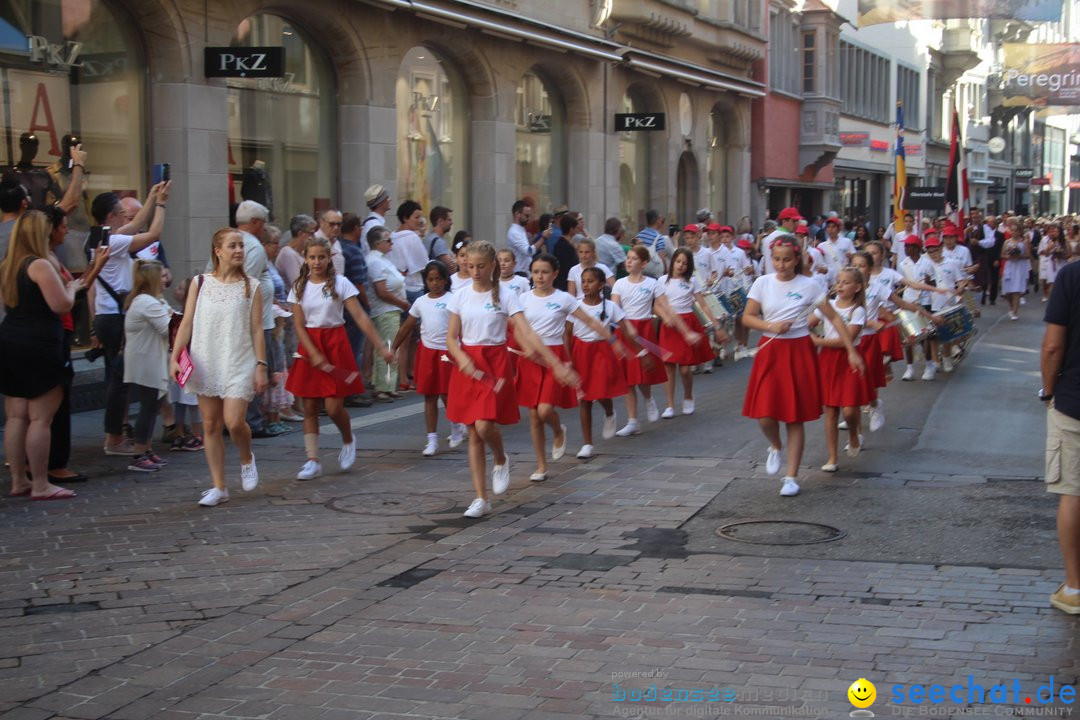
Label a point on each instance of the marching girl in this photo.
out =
(605, 378)
(461, 278)
(432, 374)
(319, 300)
(639, 296)
(481, 388)
(586, 252)
(785, 385)
(681, 289)
(547, 311)
(843, 390)
(509, 281)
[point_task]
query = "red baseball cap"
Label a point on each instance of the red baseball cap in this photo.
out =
(727, 229)
(912, 239)
(802, 229)
(949, 230)
(932, 240)
(692, 228)
(714, 227)
(835, 221)
(745, 244)
(789, 214)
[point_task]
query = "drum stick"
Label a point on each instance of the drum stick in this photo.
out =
(347, 377)
(802, 316)
(664, 355)
(496, 385)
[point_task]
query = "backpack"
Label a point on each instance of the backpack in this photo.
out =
(656, 266)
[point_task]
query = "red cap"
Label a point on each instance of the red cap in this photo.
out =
(692, 228)
(802, 229)
(835, 221)
(949, 230)
(727, 229)
(789, 214)
(745, 244)
(714, 227)
(912, 239)
(932, 240)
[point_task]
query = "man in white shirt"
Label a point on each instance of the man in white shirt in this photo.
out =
(838, 250)
(956, 252)
(789, 219)
(917, 268)
(378, 202)
(330, 229)
(518, 240)
(898, 238)
(111, 289)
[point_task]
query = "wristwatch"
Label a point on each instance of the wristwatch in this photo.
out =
(1045, 396)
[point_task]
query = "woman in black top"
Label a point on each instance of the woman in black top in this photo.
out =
(32, 357)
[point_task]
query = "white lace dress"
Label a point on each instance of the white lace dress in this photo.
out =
(221, 348)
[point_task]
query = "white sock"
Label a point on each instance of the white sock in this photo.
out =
(433, 436)
(1072, 591)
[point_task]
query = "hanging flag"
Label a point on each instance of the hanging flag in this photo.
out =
(900, 184)
(957, 206)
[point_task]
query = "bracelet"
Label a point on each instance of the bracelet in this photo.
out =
(160, 205)
(79, 165)
(261, 362)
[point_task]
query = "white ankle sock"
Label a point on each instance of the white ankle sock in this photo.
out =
(1072, 591)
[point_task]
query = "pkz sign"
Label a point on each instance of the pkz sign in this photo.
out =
(244, 62)
(629, 122)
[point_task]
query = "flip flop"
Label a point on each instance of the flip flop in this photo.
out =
(21, 493)
(58, 494)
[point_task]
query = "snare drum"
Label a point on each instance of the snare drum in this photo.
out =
(914, 328)
(958, 324)
(734, 302)
(970, 304)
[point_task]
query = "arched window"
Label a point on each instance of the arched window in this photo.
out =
(634, 166)
(540, 123)
(281, 130)
(432, 134)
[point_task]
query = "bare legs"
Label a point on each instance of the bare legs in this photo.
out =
(218, 413)
(1068, 527)
(26, 437)
(796, 435)
(484, 434)
(543, 414)
(832, 432)
(687, 374)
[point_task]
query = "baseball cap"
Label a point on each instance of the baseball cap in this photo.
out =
(932, 240)
(802, 229)
(744, 244)
(714, 227)
(949, 230)
(691, 228)
(789, 213)
(727, 229)
(912, 239)
(835, 221)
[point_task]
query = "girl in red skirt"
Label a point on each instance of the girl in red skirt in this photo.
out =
(599, 361)
(640, 296)
(842, 388)
(547, 311)
(482, 393)
(681, 288)
(319, 299)
(785, 386)
(432, 374)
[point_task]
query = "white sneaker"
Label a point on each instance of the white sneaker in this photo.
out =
(557, 451)
(740, 353)
(585, 452)
(457, 435)
(688, 407)
(630, 428)
(650, 410)
(478, 508)
(1014, 316)
(772, 461)
(930, 371)
(707, 369)
(432, 445)
(1023, 300)
(669, 412)
(909, 374)
(842, 425)
(213, 497)
(500, 477)
(877, 416)
(854, 451)
(347, 456)
(790, 488)
(608, 431)
(311, 470)
(249, 475)
(947, 363)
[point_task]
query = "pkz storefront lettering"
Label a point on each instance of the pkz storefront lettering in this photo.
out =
(629, 122)
(63, 55)
(244, 62)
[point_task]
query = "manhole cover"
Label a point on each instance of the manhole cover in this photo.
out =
(779, 532)
(390, 503)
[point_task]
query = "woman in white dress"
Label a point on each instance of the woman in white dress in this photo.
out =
(1052, 255)
(1017, 256)
(223, 322)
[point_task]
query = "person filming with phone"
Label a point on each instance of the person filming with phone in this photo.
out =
(110, 290)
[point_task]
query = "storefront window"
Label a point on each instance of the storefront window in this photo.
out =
(432, 129)
(633, 167)
(281, 130)
(83, 76)
(716, 163)
(540, 125)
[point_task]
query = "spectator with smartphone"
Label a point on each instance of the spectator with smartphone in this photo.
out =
(110, 291)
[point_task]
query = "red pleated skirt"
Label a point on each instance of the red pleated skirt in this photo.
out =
(889, 341)
(648, 370)
(432, 375)
(784, 383)
(470, 399)
(682, 352)
(870, 348)
(310, 382)
(840, 385)
(601, 371)
(537, 385)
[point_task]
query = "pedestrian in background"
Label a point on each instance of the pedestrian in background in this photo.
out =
(1060, 364)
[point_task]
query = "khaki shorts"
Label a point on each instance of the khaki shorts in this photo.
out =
(1062, 453)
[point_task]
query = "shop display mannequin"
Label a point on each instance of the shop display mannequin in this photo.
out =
(35, 179)
(256, 186)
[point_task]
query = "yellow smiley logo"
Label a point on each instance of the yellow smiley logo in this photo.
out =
(862, 693)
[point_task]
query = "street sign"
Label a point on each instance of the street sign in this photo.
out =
(245, 62)
(1024, 173)
(924, 198)
(630, 122)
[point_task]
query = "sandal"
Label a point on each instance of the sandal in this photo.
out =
(383, 397)
(57, 494)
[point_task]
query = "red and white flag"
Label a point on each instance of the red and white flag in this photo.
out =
(957, 204)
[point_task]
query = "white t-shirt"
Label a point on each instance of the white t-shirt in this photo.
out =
(574, 276)
(457, 282)
(919, 272)
(482, 322)
(117, 272)
(959, 254)
(409, 256)
(636, 299)
(874, 300)
(548, 315)
(947, 274)
(614, 315)
(288, 263)
(680, 293)
(854, 315)
(787, 300)
(515, 284)
(150, 252)
(836, 253)
(705, 265)
(434, 317)
(373, 220)
(886, 283)
(321, 310)
(380, 268)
